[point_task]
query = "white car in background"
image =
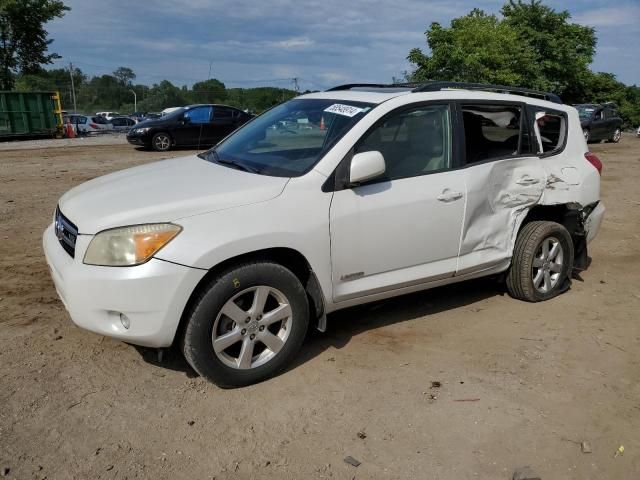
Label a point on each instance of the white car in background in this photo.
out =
(234, 253)
(86, 125)
(122, 124)
(108, 115)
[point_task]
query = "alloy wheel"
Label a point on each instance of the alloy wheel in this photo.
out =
(547, 265)
(252, 327)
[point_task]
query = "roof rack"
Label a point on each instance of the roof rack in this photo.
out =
(351, 86)
(437, 85)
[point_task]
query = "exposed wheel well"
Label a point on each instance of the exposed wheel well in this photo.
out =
(287, 257)
(571, 216)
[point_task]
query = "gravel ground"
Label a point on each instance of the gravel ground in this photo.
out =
(515, 384)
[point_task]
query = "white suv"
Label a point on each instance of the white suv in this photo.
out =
(232, 254)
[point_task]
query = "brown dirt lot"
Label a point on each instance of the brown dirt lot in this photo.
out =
(546, 376)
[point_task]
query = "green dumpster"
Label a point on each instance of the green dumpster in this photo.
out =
(30, 114)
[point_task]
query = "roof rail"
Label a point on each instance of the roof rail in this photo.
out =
(351, 86)
(436, 85)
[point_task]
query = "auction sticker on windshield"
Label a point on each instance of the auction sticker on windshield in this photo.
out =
(346, 110)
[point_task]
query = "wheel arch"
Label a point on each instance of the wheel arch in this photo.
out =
(287, 257)
(571, 216)
(165, 131)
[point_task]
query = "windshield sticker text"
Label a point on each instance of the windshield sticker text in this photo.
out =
(346, 110)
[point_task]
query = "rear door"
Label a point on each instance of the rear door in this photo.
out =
(503, 179)
(222, 123)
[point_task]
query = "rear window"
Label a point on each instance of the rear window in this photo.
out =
(491, 131)
(551, 131)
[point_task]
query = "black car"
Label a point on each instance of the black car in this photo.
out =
(195, 125)
(600, 122)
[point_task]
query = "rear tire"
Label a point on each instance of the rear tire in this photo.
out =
(542, 262)
(231, 337)
(615, 138)
(161, 142)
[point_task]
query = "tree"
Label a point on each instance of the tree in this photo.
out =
(23, 39)
(476, 48)
(125, 76)
(209, 91)
(561, 50)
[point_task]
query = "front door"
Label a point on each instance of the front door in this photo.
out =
(402, 229)
(194, 127)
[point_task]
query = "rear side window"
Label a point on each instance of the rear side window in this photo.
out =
(492, 132)
(551, 131)
(222, 113)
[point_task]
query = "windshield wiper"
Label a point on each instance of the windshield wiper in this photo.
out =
(234, 164)
(225, 161)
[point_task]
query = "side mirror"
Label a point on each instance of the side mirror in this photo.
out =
(365, 166)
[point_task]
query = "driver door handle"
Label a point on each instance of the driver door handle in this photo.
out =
(449, 196)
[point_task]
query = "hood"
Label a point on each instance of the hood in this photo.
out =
(152, 122)
(164, 192)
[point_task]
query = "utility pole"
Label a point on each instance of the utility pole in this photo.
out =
(135, 100)
(73, 88)
(210, 63)
(295, 84)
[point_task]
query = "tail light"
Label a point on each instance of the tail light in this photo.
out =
(594, 160)
(94, 126)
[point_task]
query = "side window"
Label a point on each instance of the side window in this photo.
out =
(222, 113)
(551, 131)
(82, 120)
(412, 142)
(199, 115)
(599, 115)
(492, 131)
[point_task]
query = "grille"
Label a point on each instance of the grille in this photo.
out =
(66, 232)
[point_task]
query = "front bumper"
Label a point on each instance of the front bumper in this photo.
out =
(140, 140)
(152, 295)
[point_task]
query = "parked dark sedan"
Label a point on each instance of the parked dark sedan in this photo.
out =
(600, 122)
(195, 125)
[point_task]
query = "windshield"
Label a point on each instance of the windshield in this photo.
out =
(585, 111)
(288, 140)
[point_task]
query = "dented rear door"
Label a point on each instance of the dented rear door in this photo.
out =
(499, 194)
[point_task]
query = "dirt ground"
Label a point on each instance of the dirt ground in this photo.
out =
(521, 384)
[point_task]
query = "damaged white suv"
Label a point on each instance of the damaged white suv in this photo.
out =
(330, 200)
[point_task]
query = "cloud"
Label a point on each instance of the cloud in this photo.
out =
(618, 16)
(322, 43)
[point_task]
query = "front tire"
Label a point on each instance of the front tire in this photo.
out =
(246, 325)
(542, 262)
(161, 142)
(587, 135)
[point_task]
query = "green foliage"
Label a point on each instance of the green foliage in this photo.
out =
(113, 92)
(562, 51)
(477, 48)
(23, 39)
(209, 91)
(125, 76)
(532, 46)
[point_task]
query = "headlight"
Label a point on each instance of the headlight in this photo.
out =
(141, 130)
(127, 246)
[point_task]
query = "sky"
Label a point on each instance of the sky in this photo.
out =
(247, 43)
